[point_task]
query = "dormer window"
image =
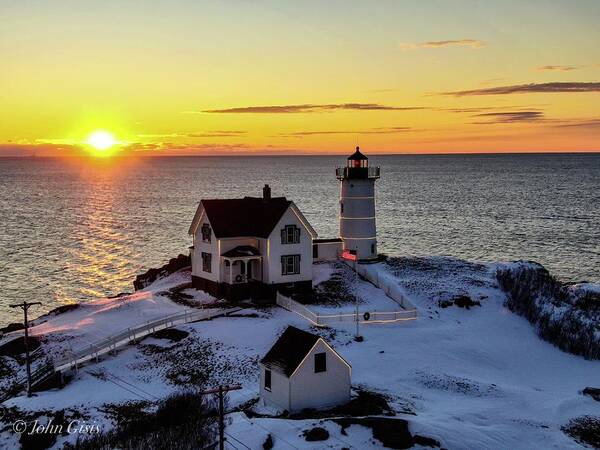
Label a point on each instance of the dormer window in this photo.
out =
(206, 232)
(290, 234)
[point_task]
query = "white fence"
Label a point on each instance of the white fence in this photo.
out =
(323, 320)
(74, 358)
(384, 281)
(115, 341)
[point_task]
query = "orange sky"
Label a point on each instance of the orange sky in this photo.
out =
(281, 77)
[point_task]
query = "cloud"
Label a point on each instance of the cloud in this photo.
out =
(472, 43)
(531, 88)
(305, 108)
(379, 130)
(200, 134)
(556, 68)
(214, 134)
(585, 123)
(479, 109)
(164, 135)
(510, 117)
(179, 148)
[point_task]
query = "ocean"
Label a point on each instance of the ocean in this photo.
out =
(74, 231)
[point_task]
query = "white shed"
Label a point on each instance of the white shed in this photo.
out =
(303, 371)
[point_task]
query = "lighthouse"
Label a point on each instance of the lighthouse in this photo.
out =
(357, 206)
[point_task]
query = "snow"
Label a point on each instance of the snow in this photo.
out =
(99, 319)
(288, 434)
(322, 272)
(474, 378)
(371, 299)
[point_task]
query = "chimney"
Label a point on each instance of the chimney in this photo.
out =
(266, 192)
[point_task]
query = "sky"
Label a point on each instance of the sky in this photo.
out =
(304, 77)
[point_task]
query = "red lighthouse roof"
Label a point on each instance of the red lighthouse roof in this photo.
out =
(357, 155)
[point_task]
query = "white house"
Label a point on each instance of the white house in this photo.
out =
(303, 371)
(251, 247)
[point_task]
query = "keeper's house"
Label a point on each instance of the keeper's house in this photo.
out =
(303, 371)
(251, 247)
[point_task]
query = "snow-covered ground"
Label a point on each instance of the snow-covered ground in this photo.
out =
(369, 297)
(473, 378)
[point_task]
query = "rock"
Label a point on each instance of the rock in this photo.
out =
(62, 309)
(425, 441)
(16, 347)
(172, 334)
(12, 327)
(464, 301)
(268, 444)
(392, 433)
(120, 294)
(316, 434)
(592, 392)
(150, 276)
(445, 303)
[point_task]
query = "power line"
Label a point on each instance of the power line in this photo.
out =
(128, 390)
(229, 443)
(133, 386)
(237, 440)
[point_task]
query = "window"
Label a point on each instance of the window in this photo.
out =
(342, 208)
(290, 234)
(267, 379)
(315, 251)
(320, 362)
(206, 232)
(290, 264)
(372, 248)
(206, 262)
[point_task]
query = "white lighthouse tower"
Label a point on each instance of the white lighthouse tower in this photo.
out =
(357, 206)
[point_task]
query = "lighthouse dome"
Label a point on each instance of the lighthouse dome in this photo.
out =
(357, 156)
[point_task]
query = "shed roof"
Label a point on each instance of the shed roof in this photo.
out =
(289, 350)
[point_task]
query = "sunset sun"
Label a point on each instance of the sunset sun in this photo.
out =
(101, 140)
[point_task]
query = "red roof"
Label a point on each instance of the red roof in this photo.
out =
(357, 155)
(249, 216)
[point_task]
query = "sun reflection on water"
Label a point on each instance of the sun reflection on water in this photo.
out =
(101, 258)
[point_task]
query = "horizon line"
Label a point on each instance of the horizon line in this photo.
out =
(233, 155)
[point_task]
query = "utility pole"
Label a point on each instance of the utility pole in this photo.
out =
(220, 391)
(25, 306)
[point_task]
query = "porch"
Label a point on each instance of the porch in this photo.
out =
(241, 265)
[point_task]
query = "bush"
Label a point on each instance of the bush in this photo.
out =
(585, 430)
(316, 434)
(566, 316)
(183, 421)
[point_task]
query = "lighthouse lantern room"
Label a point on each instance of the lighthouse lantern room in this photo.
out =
(357, 206)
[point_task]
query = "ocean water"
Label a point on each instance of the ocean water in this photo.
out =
(72, 230)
